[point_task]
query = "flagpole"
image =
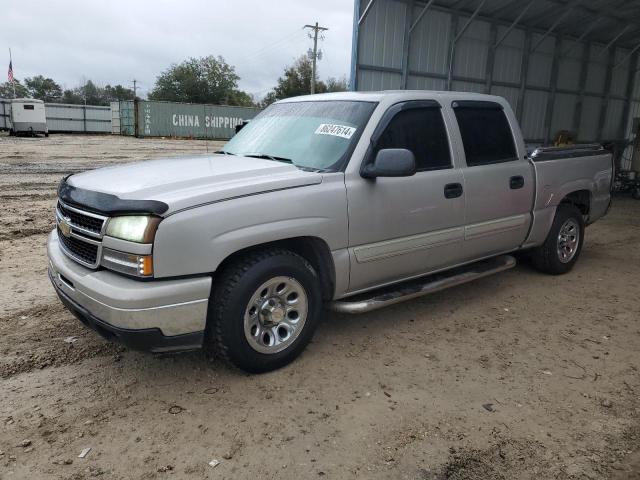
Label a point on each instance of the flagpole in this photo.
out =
(13, 81)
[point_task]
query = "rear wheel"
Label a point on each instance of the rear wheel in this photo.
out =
(560, 251)
(636, 193)
(263, 310)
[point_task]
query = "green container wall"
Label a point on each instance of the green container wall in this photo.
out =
(166, 119)
(127, 118)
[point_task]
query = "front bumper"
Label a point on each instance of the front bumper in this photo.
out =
(160, 316)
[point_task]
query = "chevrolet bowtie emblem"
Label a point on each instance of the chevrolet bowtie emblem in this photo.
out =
(65, 228)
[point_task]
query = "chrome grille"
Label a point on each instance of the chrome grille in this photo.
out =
(84, 240)
(82, 220)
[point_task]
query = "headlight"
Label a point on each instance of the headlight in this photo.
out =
(134, 228)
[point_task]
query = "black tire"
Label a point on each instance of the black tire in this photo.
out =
(11, 132)
(46, 134)
(230, 301)
(636, 193)
(547, 258)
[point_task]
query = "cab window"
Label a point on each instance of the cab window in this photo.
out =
(421, 130)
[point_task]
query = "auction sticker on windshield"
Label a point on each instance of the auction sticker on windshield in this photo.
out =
(341, 131)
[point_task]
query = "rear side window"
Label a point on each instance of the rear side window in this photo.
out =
(28, 107)
(486, 134)
(422, 131)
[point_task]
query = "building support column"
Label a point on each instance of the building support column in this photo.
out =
(406, 43)
(624, 121)
(551, 100)
(582, 85)
(607, 94)
(491, 58)
(524, 73)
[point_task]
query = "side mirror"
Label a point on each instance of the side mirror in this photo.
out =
(391, 162)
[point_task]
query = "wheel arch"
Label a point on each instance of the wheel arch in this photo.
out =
(313, 249)
(581, 199)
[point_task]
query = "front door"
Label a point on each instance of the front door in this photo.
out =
(409, 226)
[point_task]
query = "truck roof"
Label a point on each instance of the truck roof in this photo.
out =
(395, 95)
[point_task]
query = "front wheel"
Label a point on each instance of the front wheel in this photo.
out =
(560, 251)
(263, 310)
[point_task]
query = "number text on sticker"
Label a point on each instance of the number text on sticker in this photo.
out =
(341, 131)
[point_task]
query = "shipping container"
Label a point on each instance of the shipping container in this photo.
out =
(186, 120)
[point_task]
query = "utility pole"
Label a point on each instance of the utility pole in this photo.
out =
(135, 88)
(315, 56)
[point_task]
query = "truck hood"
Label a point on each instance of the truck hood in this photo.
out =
(187, 182)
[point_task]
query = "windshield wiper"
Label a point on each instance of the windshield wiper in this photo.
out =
(264, 156)
(224, 152)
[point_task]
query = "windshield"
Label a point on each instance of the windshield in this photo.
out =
(311, 135)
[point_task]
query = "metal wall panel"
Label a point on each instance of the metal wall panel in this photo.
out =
(615, 110)
(588, 129)
(68, 118)
(167, 119)
(460, 86)
(430, 40)
(78, 118)
(620, 75)
(425, 83)
(540, 62)
(4, 114)
(571, 65)
(508, 57)
(472, 49)
(532, 124)
(383, 34)
(563, 111)
(115, 118)
(510, 94)
(373, 80)
(597, 70)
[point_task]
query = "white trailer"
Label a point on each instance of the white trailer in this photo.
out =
(26, 116)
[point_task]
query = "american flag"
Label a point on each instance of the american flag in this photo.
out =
(10, 72)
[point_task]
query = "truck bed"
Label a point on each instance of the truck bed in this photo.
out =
(560, 171)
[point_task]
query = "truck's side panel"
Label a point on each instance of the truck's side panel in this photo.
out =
(558, 178)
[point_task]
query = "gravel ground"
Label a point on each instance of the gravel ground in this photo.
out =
(519, 375)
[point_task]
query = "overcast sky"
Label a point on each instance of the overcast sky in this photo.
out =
(116, 41)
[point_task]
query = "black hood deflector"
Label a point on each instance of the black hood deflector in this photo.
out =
(106, 203)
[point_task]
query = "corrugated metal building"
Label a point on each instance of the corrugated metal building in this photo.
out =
(67, 118)
(562, 64)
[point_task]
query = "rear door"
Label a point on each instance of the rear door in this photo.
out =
(498, 180)
(403, 227)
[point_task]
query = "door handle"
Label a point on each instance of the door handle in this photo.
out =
(452, 190)
(516, 182)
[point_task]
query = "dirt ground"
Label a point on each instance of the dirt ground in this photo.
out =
(516, 376)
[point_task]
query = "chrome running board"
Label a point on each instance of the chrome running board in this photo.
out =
(386, 296)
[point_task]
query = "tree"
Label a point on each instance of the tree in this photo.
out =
(200, 80)
(6, 90)
(96, 95)
(297, 81)
(45, 89)
(337, 84)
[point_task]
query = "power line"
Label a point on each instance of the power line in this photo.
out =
(315, 55)
(261, 51)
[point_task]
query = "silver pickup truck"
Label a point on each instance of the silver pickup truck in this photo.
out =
(351, 200)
